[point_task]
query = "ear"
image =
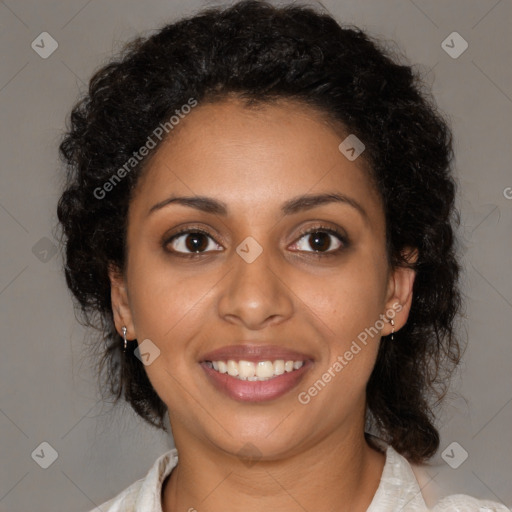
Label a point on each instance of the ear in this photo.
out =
(399, 296)
(120, 302)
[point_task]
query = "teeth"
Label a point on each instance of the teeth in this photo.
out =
(232, 368)
(262, 370)
(245, 369)
(279, 367)
(265, 369)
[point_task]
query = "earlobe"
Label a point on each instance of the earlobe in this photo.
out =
(120, 302)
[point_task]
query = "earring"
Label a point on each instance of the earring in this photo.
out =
(393, 329)
(124, 338)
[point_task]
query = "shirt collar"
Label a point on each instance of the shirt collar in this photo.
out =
(398, 488)
(150, 494)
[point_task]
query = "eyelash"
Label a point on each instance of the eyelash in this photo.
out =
(315, 229)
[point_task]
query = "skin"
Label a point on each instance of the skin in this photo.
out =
(253, 160)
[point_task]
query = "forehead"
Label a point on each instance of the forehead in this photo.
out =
(253, 157)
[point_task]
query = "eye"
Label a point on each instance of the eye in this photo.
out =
(190, 242)
(320, 239)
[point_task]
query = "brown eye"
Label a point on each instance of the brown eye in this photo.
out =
(321, 240)
(191, 241)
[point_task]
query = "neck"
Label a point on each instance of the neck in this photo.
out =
(342, 472)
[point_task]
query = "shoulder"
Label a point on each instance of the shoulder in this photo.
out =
(409, 488)
(124, 501)
(144, 494)
(464, 503)
(437, 495)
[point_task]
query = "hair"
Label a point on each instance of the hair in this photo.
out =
(261, 53)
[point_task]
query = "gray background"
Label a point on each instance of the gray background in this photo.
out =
(48, 391)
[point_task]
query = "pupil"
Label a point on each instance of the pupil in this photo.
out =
(320, 237)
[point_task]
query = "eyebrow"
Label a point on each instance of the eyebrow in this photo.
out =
(290, 207)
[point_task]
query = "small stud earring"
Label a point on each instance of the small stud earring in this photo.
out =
(124, 338)
(393, 329)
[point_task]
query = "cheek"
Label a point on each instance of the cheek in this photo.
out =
(170, 305)
(166, 303)
(349, 299)
(348, 304)
(169, 308)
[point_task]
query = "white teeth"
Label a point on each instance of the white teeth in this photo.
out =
(262, 370)
(232, 368)
(245, 369)
(265, 369)
(279, 367)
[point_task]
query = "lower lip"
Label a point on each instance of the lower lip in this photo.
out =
(259, 390)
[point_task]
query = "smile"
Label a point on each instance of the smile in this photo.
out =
(255, 381)
(255, 371)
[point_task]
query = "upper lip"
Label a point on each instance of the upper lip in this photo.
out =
(253, 352)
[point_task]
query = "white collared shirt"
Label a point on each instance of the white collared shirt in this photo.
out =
(398, 491)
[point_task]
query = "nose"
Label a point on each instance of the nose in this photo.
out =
(255, 294)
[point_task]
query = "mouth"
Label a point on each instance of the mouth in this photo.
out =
(252, 373)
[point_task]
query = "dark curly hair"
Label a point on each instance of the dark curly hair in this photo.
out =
(261, 53)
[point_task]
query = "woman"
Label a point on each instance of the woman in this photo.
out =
(259, 216)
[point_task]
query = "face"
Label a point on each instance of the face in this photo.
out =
(256, 273)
